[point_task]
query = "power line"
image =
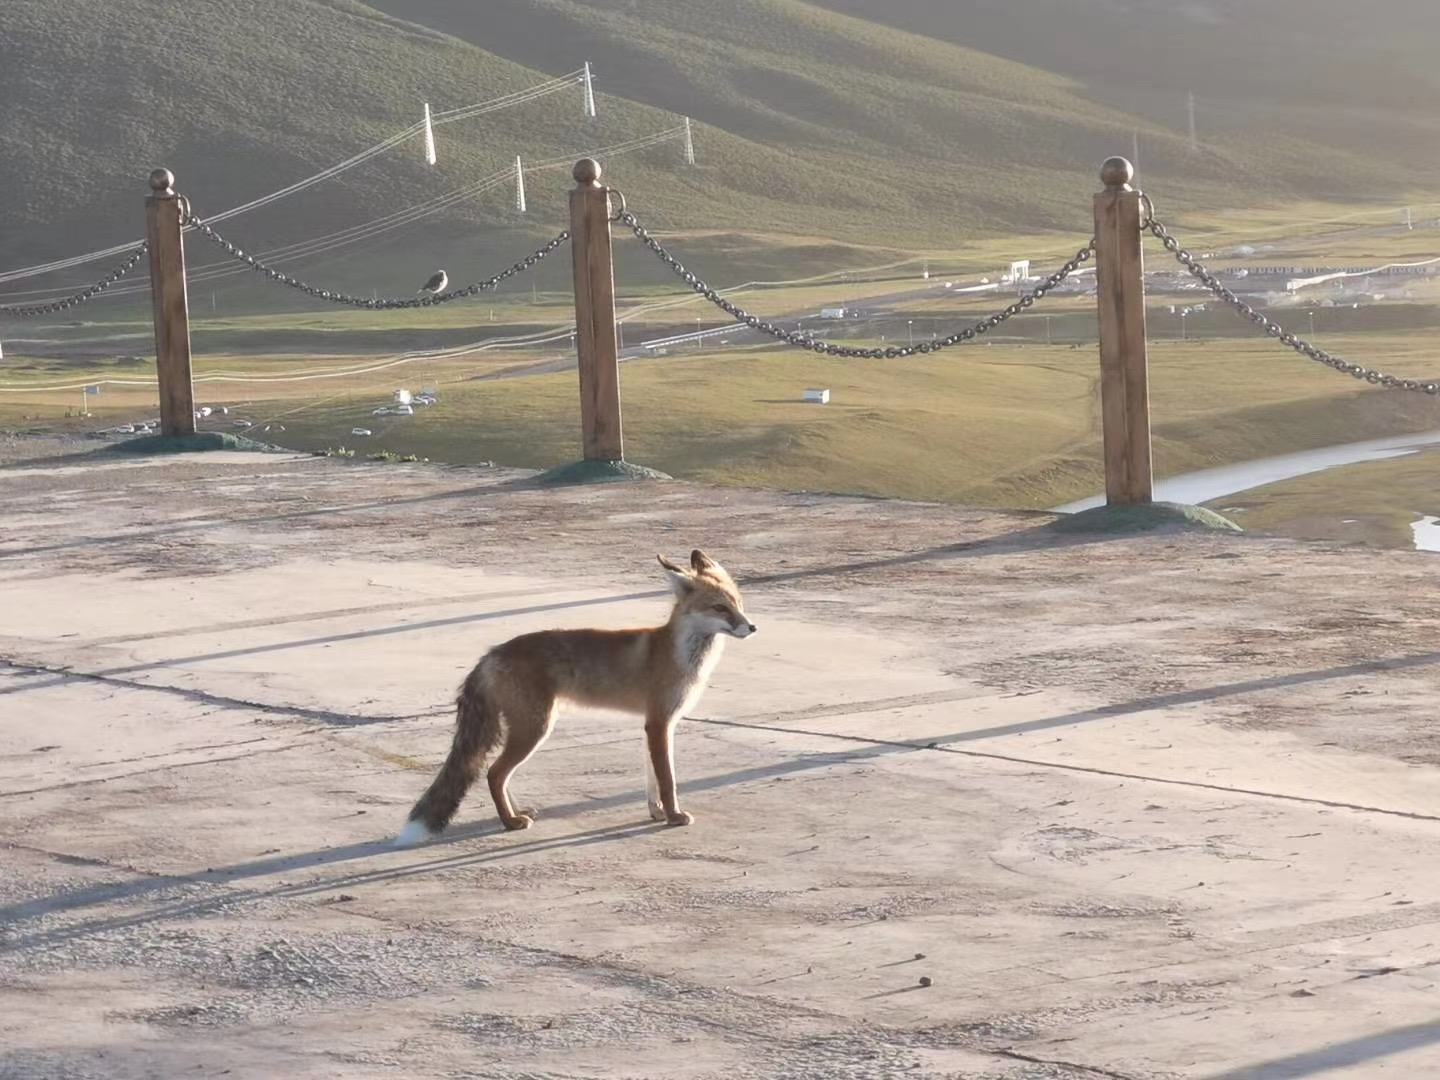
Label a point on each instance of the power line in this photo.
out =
(506, 101)
(365, 231)
(542, 337)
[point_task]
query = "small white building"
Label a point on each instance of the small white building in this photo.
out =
(1019, 271)
(817, 396)
(402, 397)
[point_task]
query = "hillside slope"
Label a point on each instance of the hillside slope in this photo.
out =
(1344, 78)
(241, 97)
(1296, 97)
(810, 123)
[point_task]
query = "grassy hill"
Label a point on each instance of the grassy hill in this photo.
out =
(1273, 80)
(1295, 97)
(1331, 58)
(811, 123)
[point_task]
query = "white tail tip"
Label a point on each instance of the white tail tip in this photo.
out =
(413, 832)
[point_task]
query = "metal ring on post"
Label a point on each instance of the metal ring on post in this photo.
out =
(1149, 207)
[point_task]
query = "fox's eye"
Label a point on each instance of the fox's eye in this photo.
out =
(720, 608)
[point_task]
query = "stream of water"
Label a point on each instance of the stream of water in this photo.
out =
(1207, 484)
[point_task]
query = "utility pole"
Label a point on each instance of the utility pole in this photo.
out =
(587, 80)
(1194, 137)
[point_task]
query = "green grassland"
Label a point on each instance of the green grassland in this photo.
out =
(1374, 502)
(996, 425)
(1003, 424)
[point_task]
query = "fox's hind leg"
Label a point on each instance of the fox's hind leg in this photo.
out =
(526, 729)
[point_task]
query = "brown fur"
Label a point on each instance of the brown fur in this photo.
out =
(507, 702)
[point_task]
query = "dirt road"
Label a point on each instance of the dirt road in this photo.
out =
(1130, 808)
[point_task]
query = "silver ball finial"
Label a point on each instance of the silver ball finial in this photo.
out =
(1117, 173)
(586, 172)
(162, 181)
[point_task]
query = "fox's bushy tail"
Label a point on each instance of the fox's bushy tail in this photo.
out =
(477, 736)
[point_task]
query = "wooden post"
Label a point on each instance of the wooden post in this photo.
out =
(1120, 293)
(163, 208)
(596, 342)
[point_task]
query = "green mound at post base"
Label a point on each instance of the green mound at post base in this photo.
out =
(594, 471)
(184, 444)
(1143, 517)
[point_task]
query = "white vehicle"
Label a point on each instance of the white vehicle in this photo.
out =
(832, 313)
(360, 431)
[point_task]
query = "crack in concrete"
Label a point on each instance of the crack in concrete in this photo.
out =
(885, 745)
(324, 716)
(66, 784)
(1016, 1055)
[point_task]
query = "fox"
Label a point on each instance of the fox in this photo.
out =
(506, 705)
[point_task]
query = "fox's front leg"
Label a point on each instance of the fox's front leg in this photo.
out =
(652, 787)
(659, 741)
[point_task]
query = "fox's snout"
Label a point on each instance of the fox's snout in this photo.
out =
(742, 630)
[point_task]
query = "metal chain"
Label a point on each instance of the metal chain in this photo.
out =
(385, 303)
(1272, 328)
(26, 311)
(808, 341)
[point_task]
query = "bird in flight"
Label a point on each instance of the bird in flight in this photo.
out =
(436, 284)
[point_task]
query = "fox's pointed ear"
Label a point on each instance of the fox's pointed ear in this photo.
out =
(681, 579)
(702, 562)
